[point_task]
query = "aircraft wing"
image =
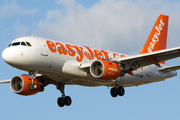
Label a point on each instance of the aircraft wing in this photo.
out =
(141, 60)
(5, 81)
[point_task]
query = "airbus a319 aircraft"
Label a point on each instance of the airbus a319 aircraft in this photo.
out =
(58, 63)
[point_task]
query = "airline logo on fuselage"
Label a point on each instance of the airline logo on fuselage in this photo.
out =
(156, 35)
(72, 50)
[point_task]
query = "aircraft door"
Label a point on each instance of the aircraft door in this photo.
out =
(43, 47)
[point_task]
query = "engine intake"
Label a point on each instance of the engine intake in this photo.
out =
(20, 85)
(105, 70)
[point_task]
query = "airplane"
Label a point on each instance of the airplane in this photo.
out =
(53, 62)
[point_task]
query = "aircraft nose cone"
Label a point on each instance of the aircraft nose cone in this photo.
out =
(7, 56)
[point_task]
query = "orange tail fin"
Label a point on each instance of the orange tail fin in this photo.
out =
(158, 37)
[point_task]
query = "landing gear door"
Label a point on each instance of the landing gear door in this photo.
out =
(43, 47)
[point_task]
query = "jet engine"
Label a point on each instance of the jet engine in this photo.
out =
(20, 85)
(105, 70)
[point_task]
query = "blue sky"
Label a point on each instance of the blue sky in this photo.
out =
(119, 25)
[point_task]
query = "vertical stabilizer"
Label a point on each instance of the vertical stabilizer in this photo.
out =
(158, 37)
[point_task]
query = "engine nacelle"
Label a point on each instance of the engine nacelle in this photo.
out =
(105, 70)
(20, 85)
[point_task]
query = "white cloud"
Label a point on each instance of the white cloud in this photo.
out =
(120, 25)
(12, 9)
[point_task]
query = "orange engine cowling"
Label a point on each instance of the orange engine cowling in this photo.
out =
(20, 85)
(105, 70)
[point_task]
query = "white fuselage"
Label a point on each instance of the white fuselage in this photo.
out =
(48, 58)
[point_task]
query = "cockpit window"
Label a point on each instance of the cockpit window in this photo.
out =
(28, 43)
(16, 43)
(23, 43)
(20, 43)
(9, 45)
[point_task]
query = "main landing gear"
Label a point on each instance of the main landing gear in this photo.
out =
(117, 90)
(64, 100)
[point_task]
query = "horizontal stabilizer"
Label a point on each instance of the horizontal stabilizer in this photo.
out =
(5, 81)
(168, 69)
(146, 59)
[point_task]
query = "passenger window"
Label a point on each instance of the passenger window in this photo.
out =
(54, 48)
(16, 43)
(23, 43)
(28, 43)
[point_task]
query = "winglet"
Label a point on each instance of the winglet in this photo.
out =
(158, 37)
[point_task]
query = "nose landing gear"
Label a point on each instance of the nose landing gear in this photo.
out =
(33, 74)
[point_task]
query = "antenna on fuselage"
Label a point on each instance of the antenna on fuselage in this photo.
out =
(32, 35)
